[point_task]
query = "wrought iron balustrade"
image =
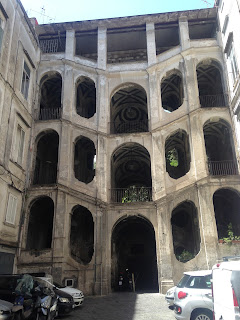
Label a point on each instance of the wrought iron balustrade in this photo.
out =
(129, 126)
(131, 194)
(211, 101)
(222, 168)
(45, 173)
(52, 45)
(50, 113)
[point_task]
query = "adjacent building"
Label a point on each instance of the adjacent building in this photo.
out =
(128, 148)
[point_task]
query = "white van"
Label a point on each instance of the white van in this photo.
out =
(226, 289)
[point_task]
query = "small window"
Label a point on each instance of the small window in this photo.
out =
(1, 33)
(25, 80)
(233, 61)
(225, 25)
(11, 209)
(20, 145)
(69, 282)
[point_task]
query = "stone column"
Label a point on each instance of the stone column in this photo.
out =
(64, 155)
(102, 48)
(68, 101)
(184, 33)
(151, 44)
(163, 246)
(103, 103)
(70, 44)
(154, 102)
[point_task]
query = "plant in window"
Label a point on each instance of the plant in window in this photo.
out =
(231, 237)
(184, 256)
(172, 157)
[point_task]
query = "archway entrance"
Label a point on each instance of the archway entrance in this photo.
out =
(134, 252)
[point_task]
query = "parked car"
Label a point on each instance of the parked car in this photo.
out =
(193, 296)
(169, 297)
(5, 310)
(226, 289)
(77, 295)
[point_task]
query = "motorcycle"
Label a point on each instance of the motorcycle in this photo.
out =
(46, 304)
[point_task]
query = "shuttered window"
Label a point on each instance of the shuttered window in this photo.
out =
(11, 209)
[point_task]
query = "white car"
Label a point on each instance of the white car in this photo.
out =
(77, 295)
(193, 296)
(169, 297)
(5, 310)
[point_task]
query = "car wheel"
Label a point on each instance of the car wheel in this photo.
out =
(202, 315)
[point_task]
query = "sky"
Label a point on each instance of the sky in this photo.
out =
(53, 11)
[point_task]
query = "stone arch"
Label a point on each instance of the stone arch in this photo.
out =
(82, 235)
(210, 84)
(133, 251)
(172, 91)
(85, 97)
(177, 154)
(46, 161)
(84, 159)
(129, 112)
(131, 173)
(185, 231)
(219, 147)
(40, 224)
(226, 202)
(50, 96)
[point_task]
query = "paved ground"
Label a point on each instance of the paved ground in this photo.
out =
(123, 306)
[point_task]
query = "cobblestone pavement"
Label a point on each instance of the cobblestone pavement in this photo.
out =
(123, 306)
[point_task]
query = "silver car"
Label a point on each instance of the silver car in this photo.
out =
(169, 297)
(5, 310)
(193, 296)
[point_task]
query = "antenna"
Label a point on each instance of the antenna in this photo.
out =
(207, 3)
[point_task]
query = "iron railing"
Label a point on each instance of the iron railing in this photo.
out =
(129, 126)
(211, 101)
(50, 114)
(45, 173)
(52, 45)
(222, 168)
(131, 194)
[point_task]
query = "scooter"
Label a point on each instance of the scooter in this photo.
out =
(46, 304)
(23, 307)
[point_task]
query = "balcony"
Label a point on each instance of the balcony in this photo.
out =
(129, 126)
(211, 101)
(131, 194)
(222, 168)
(50, 114)
(45, 173)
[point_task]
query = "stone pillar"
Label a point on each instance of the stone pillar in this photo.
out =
(184, 33)
(102, 172)
(164, 248)
(102, 48)
(65, 150)
(154, 100)
(68, 101)
(151, 44)
(70, 44)
(103, 107)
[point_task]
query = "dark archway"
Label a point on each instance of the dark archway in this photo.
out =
(210, 85)
(86, 98)
(226, 206)
(51, 97)
(172, 91)
(185, 231)
(131, 174)
(46, 159)
(84, 160)
(82, 235)
(40, 224)
(134, 248)
(177, 154)
(129, 110)
(220, 148)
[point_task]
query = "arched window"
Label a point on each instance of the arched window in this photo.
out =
(86, 98)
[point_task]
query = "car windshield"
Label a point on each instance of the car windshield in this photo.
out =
(43, 282)
(58, 285)
(183, 281)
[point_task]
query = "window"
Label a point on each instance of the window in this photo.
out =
(1, 33)
(225, 25)
(19, 144)
(25, 80)
(233, 61)
(11, 209)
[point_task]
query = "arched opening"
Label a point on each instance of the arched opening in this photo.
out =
(86, 98)
(185, 231)
(134, 250)
(131, 174)
(210, 85)
(177, 154)
(226, 206)
(82, 235)
(172, 92)
(40, 224)
(219, 148)
(84, 160)
(46, 159)
(51, 97)
(129, 110)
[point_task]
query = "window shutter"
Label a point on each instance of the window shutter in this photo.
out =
(20, 145)
(11, 209)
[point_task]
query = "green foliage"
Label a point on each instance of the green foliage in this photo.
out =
(172, 157)
(184, 256)
(230, 236)
(134, 194)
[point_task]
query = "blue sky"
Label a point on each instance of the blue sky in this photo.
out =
(47, 11)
